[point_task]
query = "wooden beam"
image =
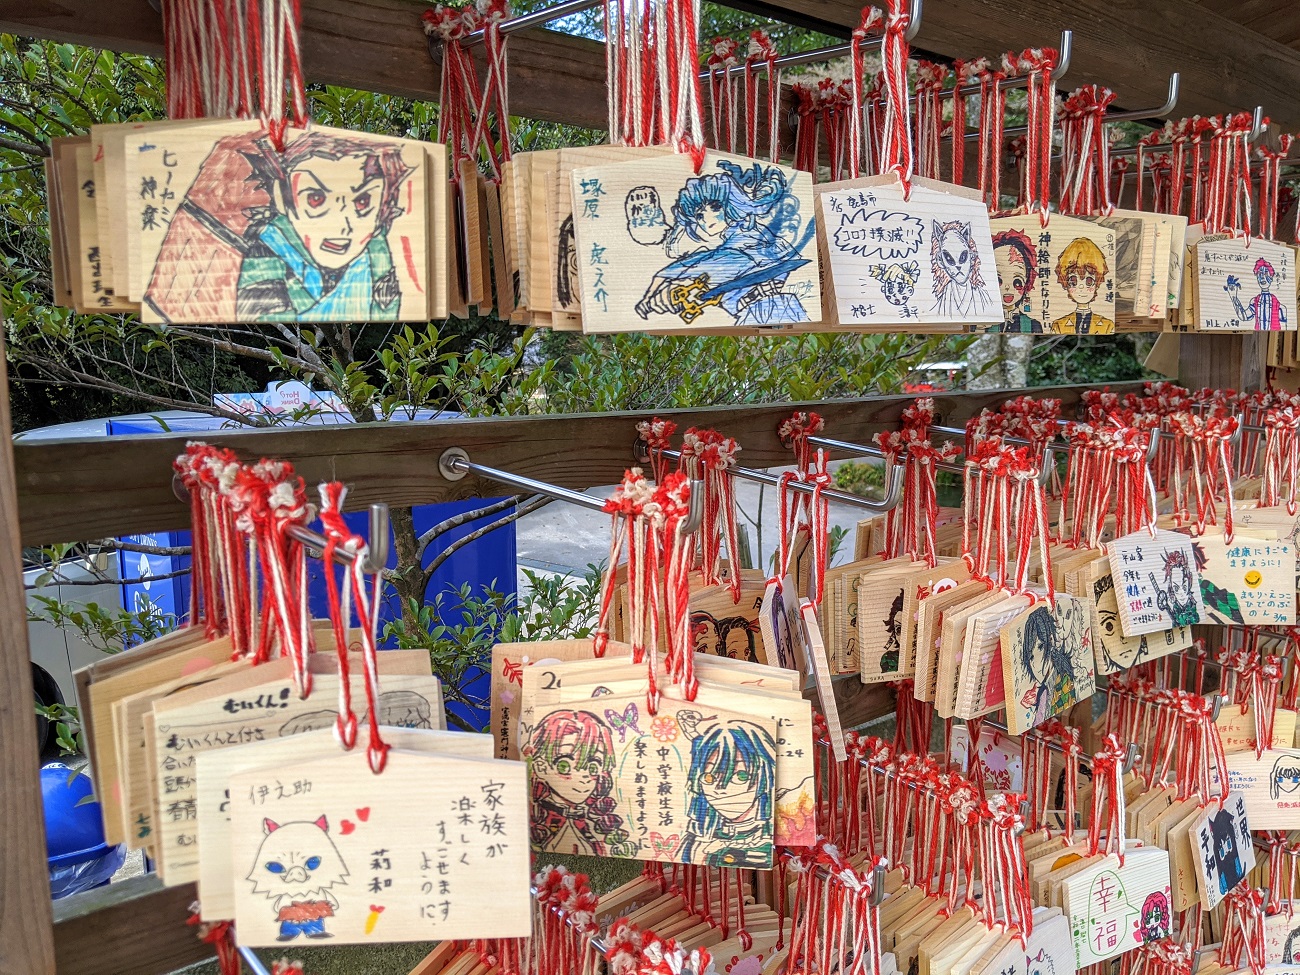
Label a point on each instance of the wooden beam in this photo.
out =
(374, 45)
(136, 927)
(26, 947)
(80, 489)
(1224, 361)
(1131, 48)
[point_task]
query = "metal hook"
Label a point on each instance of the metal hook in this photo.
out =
(1131, 757)
(838, 50)
(1064, 53)
(1045, 468)
(1258, 125)
(1171, 100)
(377, 546)
(893, 482)
(878, 884)
(454, 464)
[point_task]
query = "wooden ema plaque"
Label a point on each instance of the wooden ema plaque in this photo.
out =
(691, 783)
(1244, 285)
(1222, 851)
(435, 847)
(1055, 279)
(1113, 908)
(899, 263)
(660, 247)
(1047, 662)
(1157, 586)
(794, 805)
(213, 771)
(255, 705)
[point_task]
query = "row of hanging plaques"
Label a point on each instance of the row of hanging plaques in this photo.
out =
(210, 222)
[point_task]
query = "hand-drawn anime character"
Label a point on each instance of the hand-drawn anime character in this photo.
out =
(1265, 308)
(1291, 950)
(1016, 261)
(735, 241)
(705, 633)
(889, 660)
(1227, 860)
(566, 266)
(571, 762)
(1285, 778)
(319, 250)
(1045, 659)
(1040, 964)
(740, 638)
(1081, 271)
(1155, 921)
(1222, 602)
(405, 709)
(297, 864)
(1177, 597)
(957, 282)
(298, 235)
(897, 281)
(730, 791)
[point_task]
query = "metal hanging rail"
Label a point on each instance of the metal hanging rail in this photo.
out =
(1136, 114)
(376, 547)
(1132, 754)
(1064, 54)
(893, 482)
(915, 8)
(861, 449)
(454, 465)
(1044, 474)
(1258, 127)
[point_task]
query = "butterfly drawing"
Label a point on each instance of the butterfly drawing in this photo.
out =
(624, 722)
(513, 672)
(664, 845)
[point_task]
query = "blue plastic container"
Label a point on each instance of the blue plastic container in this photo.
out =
(78, 856)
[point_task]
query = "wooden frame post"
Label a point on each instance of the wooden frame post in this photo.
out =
(26, 917)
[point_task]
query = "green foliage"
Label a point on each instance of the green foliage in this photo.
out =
(108, 629)
(641, 372)
(459, 627)
(860, 478)
(1070, 359)
(67, 727)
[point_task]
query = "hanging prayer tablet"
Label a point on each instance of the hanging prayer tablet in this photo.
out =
(688, 784)
(1047, 662)
(435, 847)
(508, 663)
(1268, 784)
(213, 771)
(1245, 285)
(928, 258)
(333, 227)
(1114, 651)
(1158, 586)
(662, 247)
(254, 705)
(999, 755)
(1222, 849)
(781, 625)
(1113, 908)
(1057, 278)
(1247, 581)
(1282, 935)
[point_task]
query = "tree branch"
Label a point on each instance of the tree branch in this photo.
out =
(56, 579)
(117, 545)
(456, 521)
(27, 149)
(478, 533)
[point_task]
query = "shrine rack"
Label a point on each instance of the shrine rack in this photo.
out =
(70, 490)
(60, 491)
